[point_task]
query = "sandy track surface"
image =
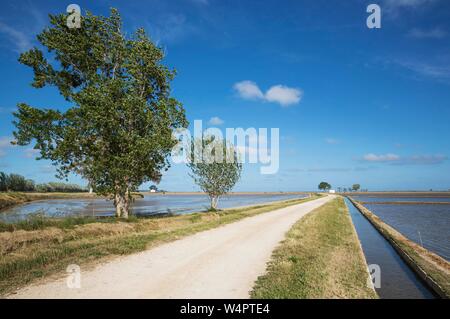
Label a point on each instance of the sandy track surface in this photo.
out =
(219, 263)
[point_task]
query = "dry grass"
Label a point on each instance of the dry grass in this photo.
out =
(26, 255)
(320, 258)
(436, 267)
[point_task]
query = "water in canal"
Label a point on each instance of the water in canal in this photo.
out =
(397, 279)
(149, 205)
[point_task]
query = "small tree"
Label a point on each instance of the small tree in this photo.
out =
(118, 132)
(324, 186)
(356, 187)
(215, 167)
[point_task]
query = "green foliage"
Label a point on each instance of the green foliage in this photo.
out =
(215, 167)
(118, 133)
(18, 183)
(59, 188)
(356, 187)
(324, 186)
(3, 182)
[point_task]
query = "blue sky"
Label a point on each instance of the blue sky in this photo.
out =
(354, 105)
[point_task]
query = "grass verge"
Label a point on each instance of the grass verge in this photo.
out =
(434, 269)
(26, 255)
(320, 258)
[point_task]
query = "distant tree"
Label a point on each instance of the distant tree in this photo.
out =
(4, 182)
(118, 132)
(16, 182)
(356, 187)
(212, 171)
(324, 186)
(153, 188)
(60, 188)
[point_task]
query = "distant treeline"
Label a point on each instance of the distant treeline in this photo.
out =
(18, 183)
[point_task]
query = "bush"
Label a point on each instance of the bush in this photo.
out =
(18, 183)
(59, 187)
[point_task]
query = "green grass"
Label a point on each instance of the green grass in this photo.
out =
(320, 258)
(26, 255)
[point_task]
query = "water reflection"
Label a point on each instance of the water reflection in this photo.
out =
(149, 205)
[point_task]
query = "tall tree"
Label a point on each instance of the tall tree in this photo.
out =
(324, 186)
(356, 187)
(118, 132)
(215, 167)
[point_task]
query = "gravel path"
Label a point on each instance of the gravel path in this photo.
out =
(219, 263)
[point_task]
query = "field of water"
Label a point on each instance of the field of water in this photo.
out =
(372, 198)
(149, 205)
(427, 224)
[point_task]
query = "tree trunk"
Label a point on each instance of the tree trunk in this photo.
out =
(214, 201)
(122, 203)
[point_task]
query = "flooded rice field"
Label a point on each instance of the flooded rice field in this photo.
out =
(149, 205)
(420, 219)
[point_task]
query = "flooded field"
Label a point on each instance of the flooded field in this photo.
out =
(149, 205)
(377, 199)
(427, 223)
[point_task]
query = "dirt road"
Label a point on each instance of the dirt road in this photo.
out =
(219, 263)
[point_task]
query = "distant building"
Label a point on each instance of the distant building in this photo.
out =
(332, 191)
(153, 189)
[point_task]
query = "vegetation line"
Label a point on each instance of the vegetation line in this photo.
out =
(26, 255)
(15, 198)
(433, 269)
(321, 257)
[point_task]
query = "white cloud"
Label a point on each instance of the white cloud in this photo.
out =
(332, 141)
(171, 28)
(406, 3)
(248, 90)
(284, 95)
(5, 142)
(215, 121)
(432, 70)
(280, 94)
(31, 153)
(381, 158)
(436, 33)
(20, 40)
(424, 160)
(394, 8)
(409, 160)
